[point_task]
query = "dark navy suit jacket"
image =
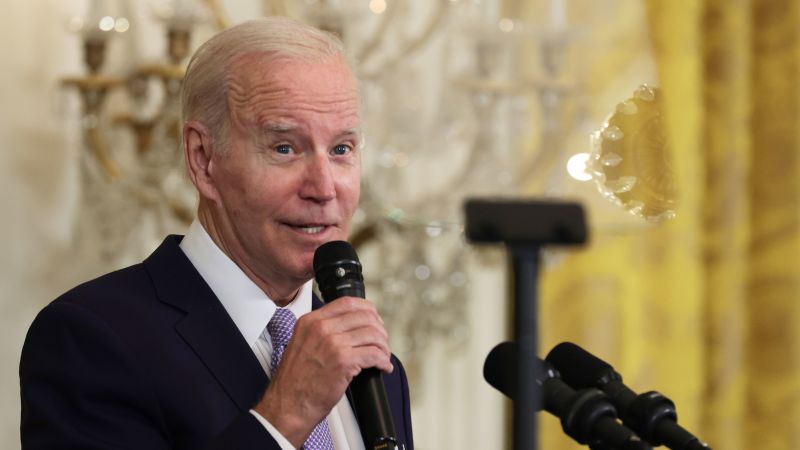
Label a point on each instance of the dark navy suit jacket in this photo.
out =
(147, 358)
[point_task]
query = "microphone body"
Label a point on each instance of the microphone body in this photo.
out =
(651, 415)
(338, 274)
(587, 415)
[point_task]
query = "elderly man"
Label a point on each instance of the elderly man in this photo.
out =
(187, 349)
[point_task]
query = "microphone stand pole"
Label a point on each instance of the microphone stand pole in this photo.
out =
(525, 263)
(524, 226)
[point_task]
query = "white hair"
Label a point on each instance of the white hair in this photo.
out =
(205, 86)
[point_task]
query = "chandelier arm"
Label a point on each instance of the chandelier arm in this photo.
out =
(414, 44)
(142, 192)
(456, 183)
(464, 177)
(377, 37)
(542, 160)
(217, 11)
(99, 149)
(180, 211)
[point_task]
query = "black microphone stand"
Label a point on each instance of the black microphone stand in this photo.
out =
(525, 269)
(524, 226)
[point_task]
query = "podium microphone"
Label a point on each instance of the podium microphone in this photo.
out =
(338, 274)
(587, 415)
(651, 415)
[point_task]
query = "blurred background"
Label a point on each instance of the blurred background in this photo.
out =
(673, 122)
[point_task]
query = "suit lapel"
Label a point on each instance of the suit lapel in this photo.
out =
(206, 328)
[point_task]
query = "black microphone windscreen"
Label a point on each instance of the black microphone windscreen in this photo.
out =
(578, 368)
(500, 369)
(333, 252)
(337, 271)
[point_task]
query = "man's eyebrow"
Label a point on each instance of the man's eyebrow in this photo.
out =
(278, 127)
(351, 132)
(282, 127)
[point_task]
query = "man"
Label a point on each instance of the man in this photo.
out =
(182, 351)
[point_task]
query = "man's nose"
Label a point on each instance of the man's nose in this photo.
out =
(318, 184)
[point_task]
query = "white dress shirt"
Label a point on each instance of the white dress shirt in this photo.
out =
(251, 309)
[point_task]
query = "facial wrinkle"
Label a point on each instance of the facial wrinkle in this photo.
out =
(268, 105)
(267, 100)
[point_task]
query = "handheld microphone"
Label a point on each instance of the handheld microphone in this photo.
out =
(587, 416)
(651, 415)
(338, 274)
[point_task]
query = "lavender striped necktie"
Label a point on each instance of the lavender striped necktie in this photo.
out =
(280, 329)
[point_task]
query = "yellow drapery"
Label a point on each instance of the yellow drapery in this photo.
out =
(705, 308)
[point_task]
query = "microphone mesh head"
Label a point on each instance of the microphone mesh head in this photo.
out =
(333, 251)
(337, 271)
(500, 369)
(578, 368)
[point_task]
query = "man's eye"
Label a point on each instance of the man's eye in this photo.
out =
(283, 149)
(341, 150)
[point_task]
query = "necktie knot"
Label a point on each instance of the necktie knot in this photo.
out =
(281, 327)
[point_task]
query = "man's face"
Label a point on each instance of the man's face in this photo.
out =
(289, 178)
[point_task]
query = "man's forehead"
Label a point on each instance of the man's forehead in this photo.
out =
(283, 95)
(317, 83)
(262, 67)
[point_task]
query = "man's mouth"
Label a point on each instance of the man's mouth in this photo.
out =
(309, 229)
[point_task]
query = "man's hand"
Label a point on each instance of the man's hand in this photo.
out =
(330, 346)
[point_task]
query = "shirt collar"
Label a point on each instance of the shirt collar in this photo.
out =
(249, 307)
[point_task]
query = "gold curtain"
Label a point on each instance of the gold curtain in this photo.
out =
(706, 308)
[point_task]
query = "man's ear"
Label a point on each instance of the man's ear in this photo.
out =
(198, 152)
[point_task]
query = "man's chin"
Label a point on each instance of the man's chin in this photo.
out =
(303, 268)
